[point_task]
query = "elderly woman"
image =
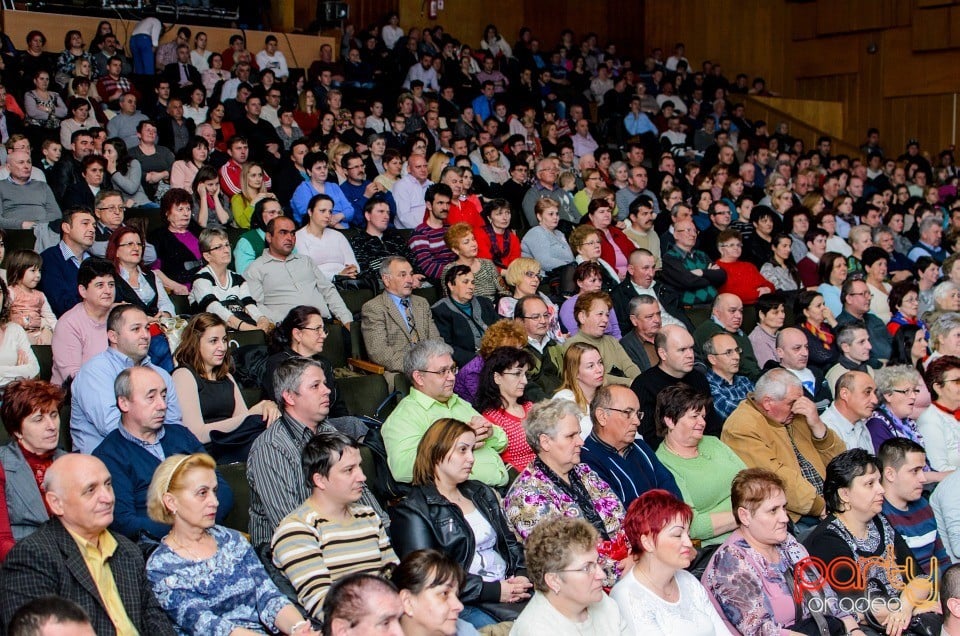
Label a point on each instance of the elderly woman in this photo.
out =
(856, 531)
(178, 245)
(903, 303)
(743, 278)
(557, 483)
(689, 455)
(31, 416)
(461, 317)
(430, 583)
(486, 277)
(495, 239)
(221, 292)
(210, 399)
(588, 277)
(569, 600)
(750, 578)
(658, 595)
(206, 577)
(615, 247)
(461, 517)
(946, 297)
(544, 242)
(503, 333)
(523, 276)
(586, 242)
(501, 399)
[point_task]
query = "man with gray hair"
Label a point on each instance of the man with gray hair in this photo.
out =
(432, 372)
(647, 319)
(545, 185)
(931, 234)
(726, 317)
(396, 319)
(855, 346)
(133, 451)
(778, 429)
(855, 295)
(728, 386)
(277, 485)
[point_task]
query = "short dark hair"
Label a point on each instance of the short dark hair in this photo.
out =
(437, 188)
(769, 302)
(313, 158)
(893, 452)
(675, 401)
(323, 451)
(31, 617)
(94, 268)
(841, 471)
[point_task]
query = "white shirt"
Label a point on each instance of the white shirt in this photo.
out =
(276, 63)
(331, 252)
(941, 438)
(853, 434)
(646, 613)
(409, 196)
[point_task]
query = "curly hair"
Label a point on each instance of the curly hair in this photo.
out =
(188, 353)
(550, 544)
(488, 393)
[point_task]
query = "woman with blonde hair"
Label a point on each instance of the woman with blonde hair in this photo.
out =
(523, 276)
(206, 577)
(583, 373)
(253, 187)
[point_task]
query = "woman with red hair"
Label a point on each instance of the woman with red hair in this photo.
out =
(658, 593)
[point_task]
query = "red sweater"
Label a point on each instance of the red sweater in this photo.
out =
(485, 247)
(606, 247)
(743, 280)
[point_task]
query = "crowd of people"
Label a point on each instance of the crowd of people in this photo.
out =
(662, 367)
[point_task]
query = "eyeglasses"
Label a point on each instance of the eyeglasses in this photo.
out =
(131, 244)
(863, 293)
(111, 208)
(947, 381)
(589, 568)
(591, 243)
(442, 372)
(913, 391)
(515, 374)
(731, 245)
(216, 248)
(537, 317)
(628, 412)
(319, 329)
(735, 350)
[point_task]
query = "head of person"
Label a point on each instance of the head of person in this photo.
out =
(855, 295)
(855, 395)
(265, 211)
(942, 378)
(438, 198)
(562, 562)
(833, 269)
(759, 503)
(459, 283)
(523, 276)
(945, 334)
(616, 415)
(552, 429)
(203, 347)
(646, 316)
(946, 296)
(582, 368)
(853, 340)
(331, 467)
(430, 582)
(31, 415)
(904, 298)
(728, 312)
(592, 312)
(674, 345)
(534, 316)
(302, 331)
(183, 492)
(362, 605)
(658, 528)
(723, 354)
(600, 213)
(430, 367)
(853, 485)
(78, 228)
(445, 453)
(503, 378)
(902, 461)
(300, 386)
(775, 394)
(95, 284)
(176, 207)
(792, 348)
(78, 490)
(459, 238)
(281, 236)
(50, 616)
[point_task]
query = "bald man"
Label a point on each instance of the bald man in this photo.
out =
(793, 352)
(726, 317)
(856, 397)
(675, 348)
(74, 556)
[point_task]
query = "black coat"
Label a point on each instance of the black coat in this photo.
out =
(426, 519)
(454, 326)
(669, 302)
(176, 261)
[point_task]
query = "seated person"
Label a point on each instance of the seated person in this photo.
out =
(854, 344)
(898, 390)
(425, 577)
(938, 424)
(24, 201)
(240, 595)
(743, 278)
(462, 317)
(847, 416)
(31, 417)
(461, 517)
(397, 318)
(331, 535)
(689, 454)
(688, 270)
(81, 332)
(432, 372)
(49, 615)
(251, 243)
(133, 452)
(29, 307)
(757, 554)
(503, 333)
(364, 603)
(727, 386)
(501, 398)
(426, 243)
(46, 563)
(212, 405)
(459, 238)
(59, 272)
(587, 277)
(855, 530)
(771, 315)
(726, 316)
(177, 243)
(94, 413)
(593, 313)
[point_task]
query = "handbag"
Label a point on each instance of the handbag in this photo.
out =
(818, 623)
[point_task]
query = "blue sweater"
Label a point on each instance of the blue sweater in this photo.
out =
(629, 475)
(58, 280)
(918, 527)
(131, 466)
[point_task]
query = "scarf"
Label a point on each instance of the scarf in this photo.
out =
(497, 254)
(954, 412)
(822, 335)
(578, 492)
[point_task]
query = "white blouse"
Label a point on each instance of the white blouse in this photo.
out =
(646, 613)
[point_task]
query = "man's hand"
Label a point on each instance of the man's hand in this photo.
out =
(804, 406)
(482, 427)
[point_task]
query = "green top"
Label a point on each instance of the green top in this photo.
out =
(704, 482)
(413, 416)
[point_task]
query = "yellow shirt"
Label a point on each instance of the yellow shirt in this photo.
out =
(96, 559)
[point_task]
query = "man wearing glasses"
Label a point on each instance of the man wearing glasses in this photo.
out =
(855, 296)
(726, 317)
(856, 397)
(545, 185)
(109, 210)
(613, 450)
(727, 386)
(432, 373)
(544, 378)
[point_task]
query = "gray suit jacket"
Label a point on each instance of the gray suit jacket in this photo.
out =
(385, 333)
(634, 347)
(24, 502)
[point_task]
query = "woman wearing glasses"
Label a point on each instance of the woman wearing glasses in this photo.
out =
(448, 511)
(222, 292)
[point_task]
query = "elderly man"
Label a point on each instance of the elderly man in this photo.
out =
(777, 428)
(688, 270)
(109, 210)
(363, 604)
(410, 191)
(855, 346)
(396, 319)
(793, 352)
(430, 368)
(25, 202)
(675, 349)
(726, 317)
(330, 535)
(94, 414)
(855, 296)
(728, 387)
(615, 452)
(277, 484)
(124, 124)
(931, 234)
(134, 450)
(545, 185)
(280, 280)
(641, 269)
(592, 311)
(856, 397)
(76, 557)
(647, 319)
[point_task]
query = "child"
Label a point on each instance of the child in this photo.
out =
(568, 181)
(28, 306)
(51, 153)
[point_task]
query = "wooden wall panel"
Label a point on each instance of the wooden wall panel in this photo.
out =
(931, 30)
(908, 73)
(851, 16)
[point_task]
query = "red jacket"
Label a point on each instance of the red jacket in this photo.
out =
(743, 280)
(606, 247)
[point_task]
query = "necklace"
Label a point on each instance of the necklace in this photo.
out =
(696, 451)
(664, 593)
(190, 553)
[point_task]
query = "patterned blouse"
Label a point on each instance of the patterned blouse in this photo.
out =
(533, 497)
(215, 596)
(486, 280)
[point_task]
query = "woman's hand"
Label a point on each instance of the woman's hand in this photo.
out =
(896, 622)
(22, 357)
(265, 325)
(350, 271)
(828, 317)
(178, 289)
(267, 410)
(514, 589)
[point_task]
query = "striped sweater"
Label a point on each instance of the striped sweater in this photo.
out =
(314, 553)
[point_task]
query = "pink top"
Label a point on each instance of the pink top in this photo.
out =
(77, 338)
(517, 453)
(29, 309)
(620, 262)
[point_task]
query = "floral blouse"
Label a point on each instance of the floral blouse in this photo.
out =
(533, 497)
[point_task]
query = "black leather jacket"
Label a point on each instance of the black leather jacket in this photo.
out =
(426, 519)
